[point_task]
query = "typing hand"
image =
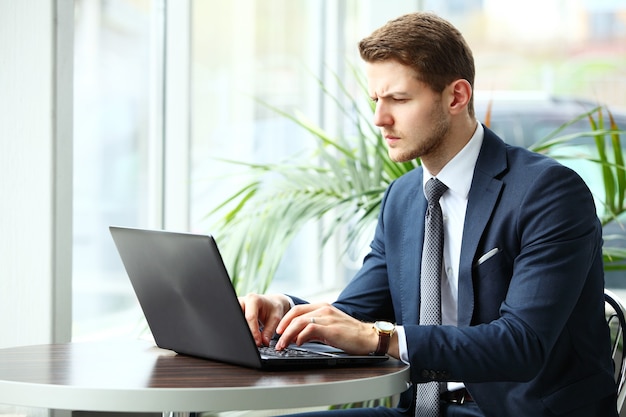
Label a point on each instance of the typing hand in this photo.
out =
(263, 313)
(323, 322)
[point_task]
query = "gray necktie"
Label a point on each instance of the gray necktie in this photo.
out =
(427, 400)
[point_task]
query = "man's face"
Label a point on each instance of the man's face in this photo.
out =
(409, 114)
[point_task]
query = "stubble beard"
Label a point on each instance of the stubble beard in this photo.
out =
(428, 144)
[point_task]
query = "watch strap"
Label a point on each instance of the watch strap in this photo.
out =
(384, 339)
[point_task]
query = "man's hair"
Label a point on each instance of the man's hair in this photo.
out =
(430, 45)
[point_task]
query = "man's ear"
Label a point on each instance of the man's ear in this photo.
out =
(460, 93)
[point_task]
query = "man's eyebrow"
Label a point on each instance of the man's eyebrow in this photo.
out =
(393, 94)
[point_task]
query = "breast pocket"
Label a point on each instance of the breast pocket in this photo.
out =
(492, 274)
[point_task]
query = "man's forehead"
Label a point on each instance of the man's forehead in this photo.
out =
(387, 78)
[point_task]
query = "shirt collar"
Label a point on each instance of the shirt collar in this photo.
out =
(458, 173)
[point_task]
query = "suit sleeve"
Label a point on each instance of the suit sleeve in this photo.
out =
(367, 296)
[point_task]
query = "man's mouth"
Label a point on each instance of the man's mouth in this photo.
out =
(391, 139)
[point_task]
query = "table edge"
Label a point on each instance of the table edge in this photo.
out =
(65, 397)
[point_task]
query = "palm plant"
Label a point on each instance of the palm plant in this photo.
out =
(345, 185)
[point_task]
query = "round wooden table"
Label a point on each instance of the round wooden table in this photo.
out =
(136, 376)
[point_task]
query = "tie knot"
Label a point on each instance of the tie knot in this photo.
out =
(434, 190)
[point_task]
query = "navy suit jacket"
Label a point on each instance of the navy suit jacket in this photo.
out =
(532, 339)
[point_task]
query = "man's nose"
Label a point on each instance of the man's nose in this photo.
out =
(382, 117)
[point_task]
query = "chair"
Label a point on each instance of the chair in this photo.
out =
(616, 318)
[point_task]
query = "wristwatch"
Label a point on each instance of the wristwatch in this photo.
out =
(385, 330)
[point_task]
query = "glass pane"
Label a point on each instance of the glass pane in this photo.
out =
(245, 51)
(111, 131)
(273, 50)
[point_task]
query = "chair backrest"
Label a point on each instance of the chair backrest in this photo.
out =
(616, 317)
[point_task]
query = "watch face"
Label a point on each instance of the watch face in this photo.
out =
(385, 326)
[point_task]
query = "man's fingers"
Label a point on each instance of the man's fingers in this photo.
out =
(299, 325)
(251, 313)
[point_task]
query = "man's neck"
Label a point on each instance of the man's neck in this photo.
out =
(456, 140)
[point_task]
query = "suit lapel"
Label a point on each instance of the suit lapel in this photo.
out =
(482, 199)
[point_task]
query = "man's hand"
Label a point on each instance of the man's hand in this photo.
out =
(323, 322)
(265, 310)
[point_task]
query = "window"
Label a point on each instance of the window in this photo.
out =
(272, 50)
(113, 145)
(244, 51)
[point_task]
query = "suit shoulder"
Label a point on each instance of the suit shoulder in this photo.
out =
(519, 159)
(534, 164)
(412, 177)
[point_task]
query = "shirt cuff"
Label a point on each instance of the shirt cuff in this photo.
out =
(402, 347)
(291, 302)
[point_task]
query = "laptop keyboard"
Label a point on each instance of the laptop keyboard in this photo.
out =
(288, 353)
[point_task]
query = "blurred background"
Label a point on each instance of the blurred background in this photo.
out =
(154, 117)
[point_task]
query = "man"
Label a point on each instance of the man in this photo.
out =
(522, 309)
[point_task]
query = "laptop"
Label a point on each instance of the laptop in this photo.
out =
(192, 309)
